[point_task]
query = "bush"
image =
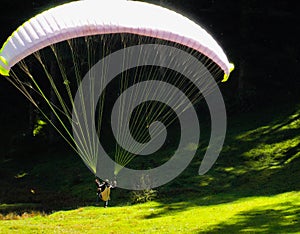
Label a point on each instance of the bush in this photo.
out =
(143, 196)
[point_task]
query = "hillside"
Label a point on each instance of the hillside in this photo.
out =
(254, 184)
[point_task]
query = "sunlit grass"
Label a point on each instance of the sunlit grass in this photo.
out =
(272, 154)
(273, 144)
(277, 126)
(272, 214)
(254, 187)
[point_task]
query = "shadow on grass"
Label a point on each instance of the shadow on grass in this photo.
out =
(283, 219)
(259, 159)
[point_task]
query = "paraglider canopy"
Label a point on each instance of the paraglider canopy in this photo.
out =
(66, 42)
(92, 17)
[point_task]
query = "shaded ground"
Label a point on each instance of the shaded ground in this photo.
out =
(260, 158)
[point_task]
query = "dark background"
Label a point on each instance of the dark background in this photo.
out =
(259, 37)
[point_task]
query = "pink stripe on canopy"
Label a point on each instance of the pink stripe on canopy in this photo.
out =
(92, 17)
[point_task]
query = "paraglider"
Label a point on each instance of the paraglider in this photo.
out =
(65, 43)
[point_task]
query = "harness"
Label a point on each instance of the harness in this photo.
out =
(104, 195)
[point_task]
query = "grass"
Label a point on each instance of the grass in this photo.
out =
(272, 214)
(253, 188)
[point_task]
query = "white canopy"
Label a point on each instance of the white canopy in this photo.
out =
(82, 18)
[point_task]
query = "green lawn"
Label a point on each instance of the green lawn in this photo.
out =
(253, 188)
(272, 214)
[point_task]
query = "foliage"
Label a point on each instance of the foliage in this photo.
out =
(143, 196)
(38, 127)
